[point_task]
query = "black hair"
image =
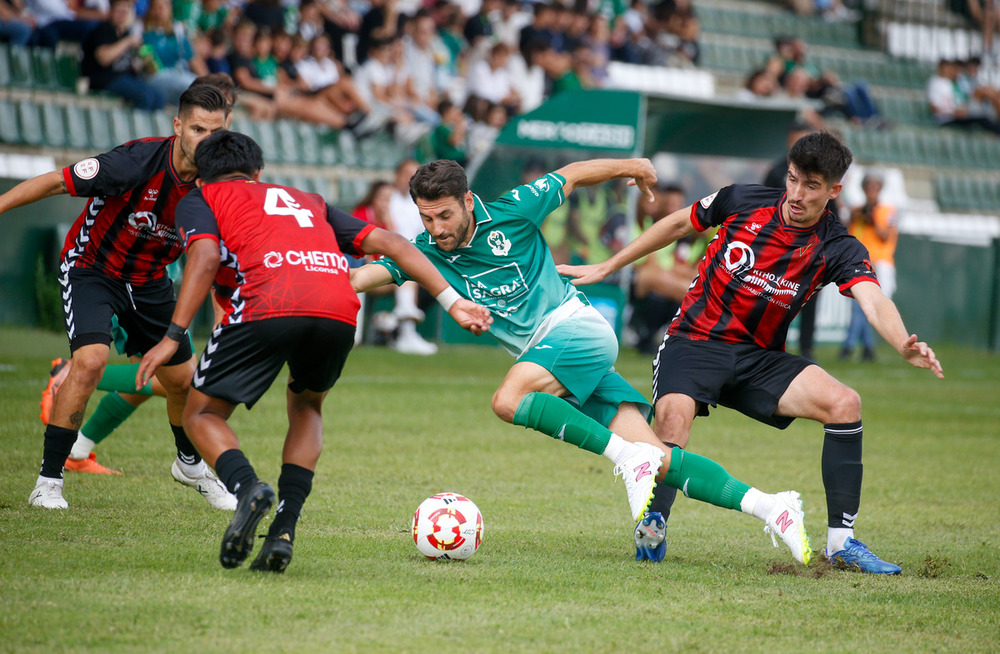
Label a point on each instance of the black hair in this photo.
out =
(226, 152)
(221, 81)
(823, 154)
(204, 96)
(439, 179)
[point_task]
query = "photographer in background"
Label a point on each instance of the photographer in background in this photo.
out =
(875, 224)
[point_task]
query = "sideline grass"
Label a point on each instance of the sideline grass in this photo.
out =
(133, 565)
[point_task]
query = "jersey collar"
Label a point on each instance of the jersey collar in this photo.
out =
(170, 164)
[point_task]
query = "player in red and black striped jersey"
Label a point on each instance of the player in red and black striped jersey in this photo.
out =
(293, 303)
(114, 264)
(774, 250)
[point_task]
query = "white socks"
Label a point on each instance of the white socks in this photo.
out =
(618, 448)
(757, 504)
(836, 537)
(192, 469)
(82, 447)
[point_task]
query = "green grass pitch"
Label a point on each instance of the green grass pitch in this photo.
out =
(133, 565)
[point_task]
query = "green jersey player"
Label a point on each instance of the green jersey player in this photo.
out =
(563, 383)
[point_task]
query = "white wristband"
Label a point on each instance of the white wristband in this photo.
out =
(447, 297)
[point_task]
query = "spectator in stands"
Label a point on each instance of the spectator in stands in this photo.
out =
(579, 74)
(378, 24)
(111, 61)
(448, 139)
(323, 76)
(509, 22)
(854, 101)
(217, 15)
(489, 79)
(311, 20)
(374, 207)
(449, 19)
(424, 56)
(986, 14)
(479, 28)
(984, 100)
(14, 28)
(177, 64)
(268, 14)
(406, 221)
(61, 20)
(483, 133)
(661, 279)
(875, 224)
(541, 30)
(261, 87)
(949, 105)
(216, 51)
(380, 81)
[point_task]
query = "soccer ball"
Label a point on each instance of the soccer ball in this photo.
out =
(447, 527)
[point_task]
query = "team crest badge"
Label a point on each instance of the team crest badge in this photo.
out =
(499, 243)
(542, 184)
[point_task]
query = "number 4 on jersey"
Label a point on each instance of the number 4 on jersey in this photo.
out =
(287, 207)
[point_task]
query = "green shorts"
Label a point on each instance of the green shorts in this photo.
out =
(580, 352)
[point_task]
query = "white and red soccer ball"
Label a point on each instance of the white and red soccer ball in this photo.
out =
(447, 527)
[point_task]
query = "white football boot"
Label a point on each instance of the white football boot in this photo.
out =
(639, 471)
(48, 494)
(787, 520)
(208, 485)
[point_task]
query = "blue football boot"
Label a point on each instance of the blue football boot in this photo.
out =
(857, 556)
(651, 538)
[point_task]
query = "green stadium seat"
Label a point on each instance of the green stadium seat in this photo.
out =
(122, 128)
(99, 129)
(54, 125)
(20, 66)
(308, 139)
(163, 122)
(77, 136)
(286, 142)
(4, 65)
(347, 149)
(267, 137)
(67, 71)
(44, 69)
(29, 116)
(142, 123)
(242, 125)
(9, 131)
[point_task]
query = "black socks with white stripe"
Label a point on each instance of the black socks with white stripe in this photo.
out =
(842, 473)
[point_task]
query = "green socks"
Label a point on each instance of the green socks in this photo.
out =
(121, 378)
(705, 480)
(559, 419)
(111, 412)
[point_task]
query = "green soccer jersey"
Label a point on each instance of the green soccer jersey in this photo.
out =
(507, 267)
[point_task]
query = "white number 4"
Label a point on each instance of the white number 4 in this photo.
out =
(288, 206)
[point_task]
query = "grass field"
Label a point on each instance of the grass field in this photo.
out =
(133, 565)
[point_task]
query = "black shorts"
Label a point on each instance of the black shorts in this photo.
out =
(90, 298)
(241, 361)
(744, 377)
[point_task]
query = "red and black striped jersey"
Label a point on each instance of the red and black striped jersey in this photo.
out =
(759, 271)
(126, 231)
(284, 246)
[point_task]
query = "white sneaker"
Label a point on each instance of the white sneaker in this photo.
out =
(787, 520)
(414, 344)
(208, 485)
(639, 471)
(48, 495)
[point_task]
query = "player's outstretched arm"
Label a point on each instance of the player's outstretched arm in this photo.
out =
(596, 171)
(202, 265)
(661, 234)
(32, 190)
(884, 317)
(412, 261)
